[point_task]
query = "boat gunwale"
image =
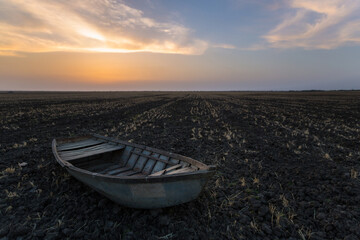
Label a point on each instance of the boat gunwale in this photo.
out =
(203, 172)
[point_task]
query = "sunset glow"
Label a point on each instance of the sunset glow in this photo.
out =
(103, 44)
(97, 25)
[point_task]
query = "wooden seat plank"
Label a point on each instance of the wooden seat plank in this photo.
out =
(159, 173)
(76, 143)
(89, 153)
(182, 170)
(80, 144)
(91, 148)
(79, 147)
(88, 149)
(80, 151)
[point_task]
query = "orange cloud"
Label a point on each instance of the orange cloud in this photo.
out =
(88, 26)
(318, 24)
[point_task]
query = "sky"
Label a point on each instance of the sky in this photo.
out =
(120, 45)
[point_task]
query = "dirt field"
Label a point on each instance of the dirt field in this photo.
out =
(288, 164)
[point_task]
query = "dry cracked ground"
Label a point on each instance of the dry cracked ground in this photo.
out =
(288, 164)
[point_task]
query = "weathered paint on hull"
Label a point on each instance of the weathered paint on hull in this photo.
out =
(145, 195)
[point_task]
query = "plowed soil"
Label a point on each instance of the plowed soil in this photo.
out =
(288, 164)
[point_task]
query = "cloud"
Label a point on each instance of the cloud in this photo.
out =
(317, 24)
(88, 26)
(225, 46)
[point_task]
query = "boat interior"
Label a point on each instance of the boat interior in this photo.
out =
(116, 158)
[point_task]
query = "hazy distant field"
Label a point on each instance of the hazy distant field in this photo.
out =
(288, 164)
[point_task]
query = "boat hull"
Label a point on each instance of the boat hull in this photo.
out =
(145, 195)
(132, 175)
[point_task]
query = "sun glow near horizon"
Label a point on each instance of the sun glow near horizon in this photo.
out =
(106, 68)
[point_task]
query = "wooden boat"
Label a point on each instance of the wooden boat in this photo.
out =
(130, 174)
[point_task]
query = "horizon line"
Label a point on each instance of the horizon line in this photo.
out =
(114, 91)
